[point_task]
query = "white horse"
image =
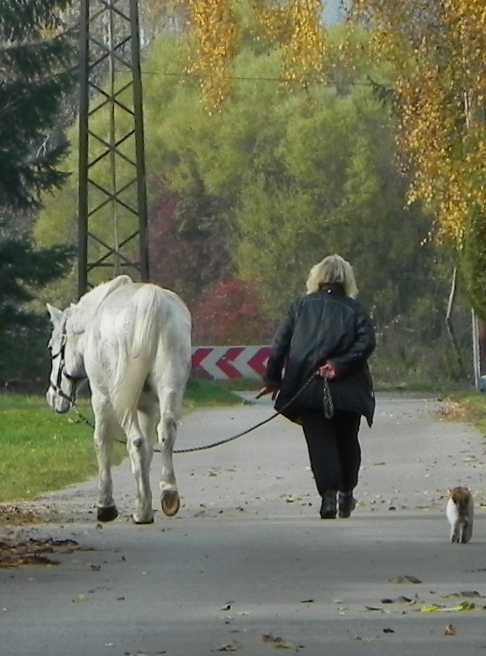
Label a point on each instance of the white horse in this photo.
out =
(132, 341)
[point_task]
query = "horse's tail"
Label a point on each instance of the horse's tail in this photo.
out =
(139, 352)
(149, 310)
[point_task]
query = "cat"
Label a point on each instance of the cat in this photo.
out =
(460, 513)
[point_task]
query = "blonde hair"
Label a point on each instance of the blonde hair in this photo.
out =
(333, 268)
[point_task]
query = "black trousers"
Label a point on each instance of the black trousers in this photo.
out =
(334, 449)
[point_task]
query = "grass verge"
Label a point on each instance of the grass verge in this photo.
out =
(467, 406)
(43, 451)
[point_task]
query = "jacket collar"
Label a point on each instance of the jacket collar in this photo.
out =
(333, 288)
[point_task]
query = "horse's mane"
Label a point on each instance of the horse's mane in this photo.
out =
(84, 310)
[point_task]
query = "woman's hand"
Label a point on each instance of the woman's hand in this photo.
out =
(327, 371)
(270, 388)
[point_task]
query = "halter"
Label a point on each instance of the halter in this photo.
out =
(62, 372)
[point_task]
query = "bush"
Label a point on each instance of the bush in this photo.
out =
(24, 359)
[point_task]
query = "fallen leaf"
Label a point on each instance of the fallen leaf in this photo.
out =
(292, 498)
(405, 578)
(81, 597)
(465, 593)
(450, 630)
(231, 646)
(279, 643)
(31, 551)
(448, 609)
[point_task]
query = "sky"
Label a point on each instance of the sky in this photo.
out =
(333, 12)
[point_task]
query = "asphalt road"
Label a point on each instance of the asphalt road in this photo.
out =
(248, 566)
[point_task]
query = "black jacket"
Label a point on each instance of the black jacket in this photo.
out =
(326, 326)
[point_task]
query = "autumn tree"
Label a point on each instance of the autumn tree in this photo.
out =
(440, 83)
(188, 243)
(435, 80)
(262, 189)
(436, 52)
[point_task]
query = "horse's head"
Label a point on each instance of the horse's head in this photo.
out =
(65, 370)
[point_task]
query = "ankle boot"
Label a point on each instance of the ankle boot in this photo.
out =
(347, 503)
(329, 505)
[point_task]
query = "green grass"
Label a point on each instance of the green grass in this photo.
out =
(44, 451)
(205, 393)
(468, 406)
(41, 450)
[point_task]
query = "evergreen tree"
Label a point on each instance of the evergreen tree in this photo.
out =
(20, 267)
(37, 55)
(36, 70)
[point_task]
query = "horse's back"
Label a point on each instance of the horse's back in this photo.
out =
(141, 321)
(140, 332)
(144, 301)
(164, 316)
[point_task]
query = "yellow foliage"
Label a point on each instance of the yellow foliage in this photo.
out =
(437, 54)
(305, 49)
(215, 29)
(437, 50)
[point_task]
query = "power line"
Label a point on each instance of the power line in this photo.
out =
(238, 77)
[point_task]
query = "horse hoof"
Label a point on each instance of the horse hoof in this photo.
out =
(107, 514)
(170, 502)
(143, 521)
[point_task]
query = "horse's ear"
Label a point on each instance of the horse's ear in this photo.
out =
(56, 315)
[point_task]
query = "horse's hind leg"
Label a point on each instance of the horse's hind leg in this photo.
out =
(105, 426)
(167, 430)
(140, 451)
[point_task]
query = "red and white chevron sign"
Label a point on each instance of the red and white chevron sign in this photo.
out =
(223, 362)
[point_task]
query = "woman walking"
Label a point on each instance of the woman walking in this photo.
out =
(326, 338)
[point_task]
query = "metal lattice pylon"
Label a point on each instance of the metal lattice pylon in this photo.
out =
(112, 236)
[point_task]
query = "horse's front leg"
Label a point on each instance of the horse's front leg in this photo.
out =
(105, 426)
(138, 430)
(167, 432)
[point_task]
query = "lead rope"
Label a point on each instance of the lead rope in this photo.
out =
(328, 413)
(327, 402)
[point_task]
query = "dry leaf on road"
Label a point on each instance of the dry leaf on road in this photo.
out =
(279, 643)
(405, 578)
(231, 646)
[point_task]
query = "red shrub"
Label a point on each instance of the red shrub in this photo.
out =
(230, 313)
